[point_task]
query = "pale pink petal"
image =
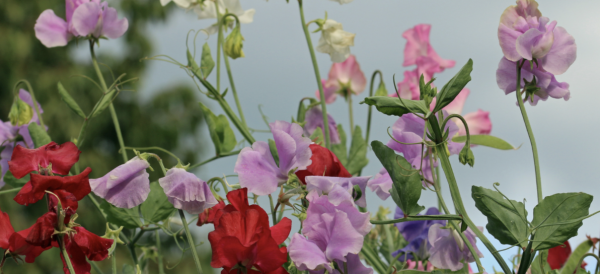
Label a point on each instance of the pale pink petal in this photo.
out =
(526, 41)
(51, 30)
(479, 123)
(456, 106)
(409, 87)
(348, 72)
(417, 43)
(562, 54)
(329, 90)
(112, 27)
(86, 19)
(508, 41)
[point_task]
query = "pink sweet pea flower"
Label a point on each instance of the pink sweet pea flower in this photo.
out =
(479, 122)
(344, 78)
(84, 17)
(417, 45)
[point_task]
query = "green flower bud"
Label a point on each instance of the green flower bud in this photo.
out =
(233, 43)
(466, 156)
(20, 113)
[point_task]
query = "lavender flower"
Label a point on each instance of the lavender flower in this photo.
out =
(314, 119)
(185, 191)
(126, 186)
(338, 189)
(381, 184)
(256, 167)
(415, 233)
(333, 233)
(448, 249)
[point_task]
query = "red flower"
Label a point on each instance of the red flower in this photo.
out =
(558, 255)
(61, 157)
(85, 244)
(208, 216)
(69, 189)
(324, 163)
(243, 239)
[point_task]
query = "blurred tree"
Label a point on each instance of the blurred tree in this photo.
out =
(170, 119)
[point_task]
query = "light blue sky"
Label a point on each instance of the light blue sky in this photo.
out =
(277, 73)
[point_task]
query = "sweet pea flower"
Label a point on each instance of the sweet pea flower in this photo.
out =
(329, 91)
(525, 34)
(84, 17)
(335, 41)
(314, 120)
(448, 251)
(256, 167)
(417, 45)
(49, 158)
(546, 83)
(381, 184)
(333, 233)
(338, 189)
(415, 233)
(186, 192)
(126, 186)
(346, 78)
(323, 163)
(208, 215)
(479, 122)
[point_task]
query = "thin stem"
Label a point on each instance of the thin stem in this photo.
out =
(371, 107)
(131, 248)
(219, 45)
(156, 148)
(161, 268)
(536, 161)
(113, 262)
(113, 113)
(273, 210)
(222, 155)
(317, 75)
(373, 259)
(350, 114)
(190, 241)
(10, 190)
(61, 242)
(418, 218)
(96, 267)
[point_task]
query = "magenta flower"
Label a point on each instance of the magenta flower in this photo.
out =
(548, 86)
(256, 167)
(345, 78)
(333, 233)
(417, 45)
(84, 17)
(338, 189)
(479, 122)
(314, 119)
(448, 249)
(126, 186)
(381, 184)
(525, 34)
(185, 191)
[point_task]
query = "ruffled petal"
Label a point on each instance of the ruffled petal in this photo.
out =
(562, 54)
(306, 255)
(256, 169)
(87, 19)
(51, 30)
(479, 123)
(112, 27)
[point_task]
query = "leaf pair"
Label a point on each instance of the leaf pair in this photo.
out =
(355, 160)
(220, 132)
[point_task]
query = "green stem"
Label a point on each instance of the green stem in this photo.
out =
(190, 241)
(350, 115)
(113, 262)
(317, 75)
(132, 252)
(161, 268)
(10, 190)
(219, 45)
(113, 113)
(371, 107)
(222, 155)
(273, 213)
(61, 242)
(536, 161)
(418, 218)
(373, 259)
(96, 267)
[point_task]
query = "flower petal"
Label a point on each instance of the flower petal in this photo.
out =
(86, 19)
(306, 255)
(562, 54)
(112, 27)
(479, 123)
(51, 30)
(257, 170)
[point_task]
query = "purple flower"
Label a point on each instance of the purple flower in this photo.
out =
(338, 189)
(415, 233)
(126, 186)
(256, 167)
(448, 249)
(333, 233)
(548, 86)
(525, 34)
(84, 17)
(314, 119)
(381, 184)
(185, 191)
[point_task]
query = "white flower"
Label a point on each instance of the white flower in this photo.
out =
(335, 41)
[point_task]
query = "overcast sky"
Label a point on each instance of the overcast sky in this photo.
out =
(277, 73)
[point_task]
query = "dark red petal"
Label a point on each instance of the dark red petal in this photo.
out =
(92, 245)
(209, 214)
(23, 160)
(281, 230)
(78, 185)
(324, 163)
(279, 270)
(41, 232)
(77, 257)
(230, 251)
(67, 200)
(268, 255)
(239, 199)
(25, 196)
(6, 230)
(558, 255)
(19, 246)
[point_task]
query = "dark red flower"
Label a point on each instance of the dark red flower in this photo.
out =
(558, 256)
(324, 163)
(61, 157)
(6, 230)
(15, 242)
(84, 245)
(69, 189)
(243, 242)
(208, 215)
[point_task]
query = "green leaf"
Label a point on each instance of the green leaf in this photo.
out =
(20, 113)
(220, 131)
(541, 260)
(192, 63)
(317, 136)
(128, 269)
(157, 207)
(485, 140)
(454, 86)
(340, 150)
(507, 219)
(105, 102)
(38, 135)
(381, 90)
(66, 97)
(206, 61)
(573, 262)
(10, 179)
(393, 105)
(552, 213)
(406, 187)
(273, 149)
(128, 218)
(357, 159)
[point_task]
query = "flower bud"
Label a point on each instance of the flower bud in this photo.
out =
(466, 156)
(20, 113)
(234, 43)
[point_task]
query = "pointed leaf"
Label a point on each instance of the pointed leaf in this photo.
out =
(157, 207)
(393, 105)
(540, 263)
(192, 63)
(212, 123)
(406, 187)
(128, 218)
(357, 159)
(38, 135)
(10, 179)
(66, 97)
(206, 61)
(340, 150)
(105, 102)
(317, 136)
(485, 140)
(558, 209)
(573, 262)
(226, 135)
(274, 152)
(381, 90)
(454, 86)
(507, 219)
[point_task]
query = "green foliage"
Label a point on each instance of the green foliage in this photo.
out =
(393, 105)
(454, 86)
(192, 63)
(406, 187)
(340, 150)
(381, 90)
(20, 113)
(206, 62)
(157, 207)
(10, 180)
(38, 135)
(220, 132)
(105, 102)
(558, 217)
(485, 140)
(66, 97)
(128, 218)
(317, 136)
(357, 158)
(540, 263)
(273, 149)
(572, 263)
(507, 219)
